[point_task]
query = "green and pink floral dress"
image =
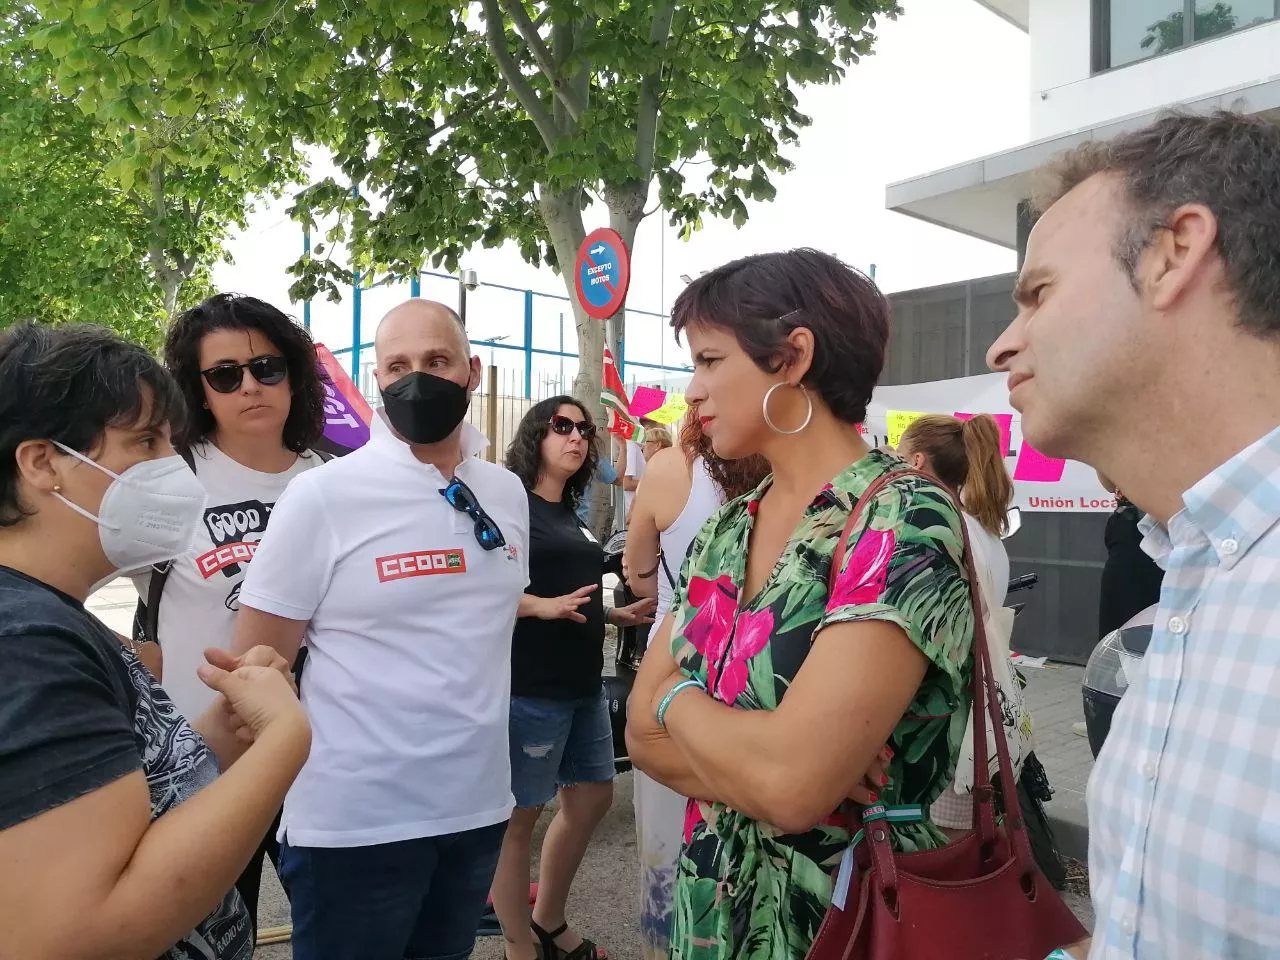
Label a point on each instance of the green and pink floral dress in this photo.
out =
(744, 889)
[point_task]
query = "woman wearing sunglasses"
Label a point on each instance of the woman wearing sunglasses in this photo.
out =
(255, 400)
(560, 732)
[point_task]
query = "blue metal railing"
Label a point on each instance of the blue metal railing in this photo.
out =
(415, 288)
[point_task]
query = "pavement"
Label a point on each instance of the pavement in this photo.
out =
(1053, 694)
(604, 902)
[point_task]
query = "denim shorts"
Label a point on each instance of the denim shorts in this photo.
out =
(558, 742)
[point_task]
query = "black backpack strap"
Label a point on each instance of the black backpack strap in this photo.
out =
(146, 616)
(324, 457)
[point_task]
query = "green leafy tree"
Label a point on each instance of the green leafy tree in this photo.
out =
(70, 244)
(456, 123)
(504, 126)
(142, 178)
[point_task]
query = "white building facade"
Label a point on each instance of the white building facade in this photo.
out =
(1100, 67)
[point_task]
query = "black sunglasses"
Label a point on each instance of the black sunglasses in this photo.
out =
(564, 426)
(227, 377)
(463, 500)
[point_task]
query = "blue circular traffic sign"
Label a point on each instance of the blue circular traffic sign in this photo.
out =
(602, 273)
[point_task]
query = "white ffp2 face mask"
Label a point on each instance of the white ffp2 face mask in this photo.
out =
(149, 514)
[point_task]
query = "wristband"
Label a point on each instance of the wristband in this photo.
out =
(1059, 955)
(671, 695)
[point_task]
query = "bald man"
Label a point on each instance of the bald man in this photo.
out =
(402, 566)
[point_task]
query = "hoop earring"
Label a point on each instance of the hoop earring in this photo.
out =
(769, 420)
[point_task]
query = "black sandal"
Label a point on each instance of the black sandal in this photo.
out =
(586, 950)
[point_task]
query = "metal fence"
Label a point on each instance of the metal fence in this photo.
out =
(528, 334)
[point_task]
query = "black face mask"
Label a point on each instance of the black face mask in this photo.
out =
(425, 409)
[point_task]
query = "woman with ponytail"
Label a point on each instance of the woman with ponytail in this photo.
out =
(966, 456)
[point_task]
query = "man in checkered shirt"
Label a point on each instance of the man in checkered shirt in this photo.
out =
(1147, 344)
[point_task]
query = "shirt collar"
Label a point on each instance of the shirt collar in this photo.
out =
(1234, 506)
(473, 441)
(1155, 540)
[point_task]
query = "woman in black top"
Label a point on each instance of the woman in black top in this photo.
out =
(560, 731)
(1131, 579)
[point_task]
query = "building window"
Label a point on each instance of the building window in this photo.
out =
(1126, 31)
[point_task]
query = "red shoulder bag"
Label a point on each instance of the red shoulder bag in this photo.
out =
(981, 897)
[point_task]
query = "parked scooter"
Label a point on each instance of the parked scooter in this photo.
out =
(1111, 668)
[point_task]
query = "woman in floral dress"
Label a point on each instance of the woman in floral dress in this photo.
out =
(798, 687)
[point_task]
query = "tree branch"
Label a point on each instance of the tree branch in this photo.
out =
(582, 81)
(542, 57)
(510, 70)
(648, 108)
(114, 48)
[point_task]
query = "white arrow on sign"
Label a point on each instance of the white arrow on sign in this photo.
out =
(597, 250)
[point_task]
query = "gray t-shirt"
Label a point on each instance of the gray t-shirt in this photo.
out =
(77, 712)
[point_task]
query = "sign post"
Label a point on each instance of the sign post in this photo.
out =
(602, 273)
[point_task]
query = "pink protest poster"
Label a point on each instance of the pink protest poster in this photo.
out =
(1035, 467)
(1004, 421)
(645, 400)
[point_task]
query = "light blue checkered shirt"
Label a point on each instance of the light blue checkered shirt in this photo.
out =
(1184, 802)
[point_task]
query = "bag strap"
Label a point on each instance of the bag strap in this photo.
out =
(146, 619)
(985, 708)
(662, 558)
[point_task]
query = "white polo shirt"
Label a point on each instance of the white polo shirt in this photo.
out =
(408, 676)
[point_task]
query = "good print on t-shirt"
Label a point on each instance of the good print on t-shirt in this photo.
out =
(235, 529)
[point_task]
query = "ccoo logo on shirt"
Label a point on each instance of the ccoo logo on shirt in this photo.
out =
(422, 563)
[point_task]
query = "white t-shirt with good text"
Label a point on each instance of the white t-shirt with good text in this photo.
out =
(202, 593)
(408, 680)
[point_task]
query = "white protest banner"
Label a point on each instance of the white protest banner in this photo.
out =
(1041, 483)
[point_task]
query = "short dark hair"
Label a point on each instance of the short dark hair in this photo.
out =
(762, 298)
(229, 311)
(524, 454)
(69, 384)
(1226, 161)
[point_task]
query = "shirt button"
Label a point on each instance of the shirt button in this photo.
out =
(1177, 626)
(1127, 926)
(1229, 548)
(1149, 769)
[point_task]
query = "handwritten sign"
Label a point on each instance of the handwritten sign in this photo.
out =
(673, 409)
(645, 400)
(899, 420)
(1035, 467)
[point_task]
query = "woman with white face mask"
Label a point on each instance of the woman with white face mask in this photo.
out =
(108, 795)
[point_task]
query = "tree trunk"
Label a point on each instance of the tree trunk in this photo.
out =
(170, 286)
(626, 210)
(562, 213)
